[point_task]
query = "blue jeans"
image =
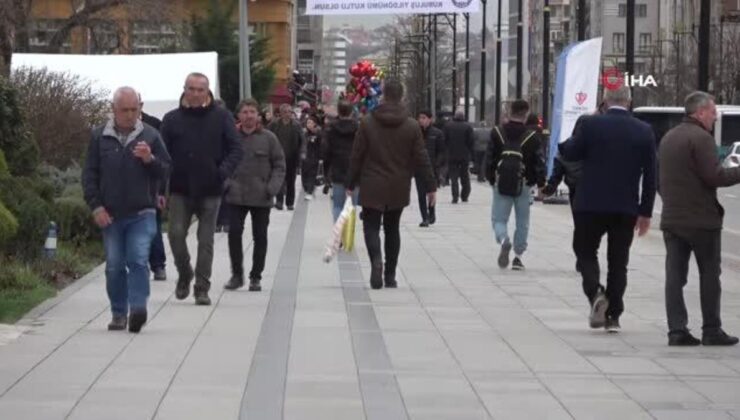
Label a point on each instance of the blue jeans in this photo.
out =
(127, 244)
(338, 197)
(500, 213)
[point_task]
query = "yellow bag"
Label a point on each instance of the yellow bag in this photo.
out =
(348, 231)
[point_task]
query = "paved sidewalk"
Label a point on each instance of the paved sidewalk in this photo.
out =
(460, 339)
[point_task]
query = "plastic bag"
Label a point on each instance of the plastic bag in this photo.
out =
(348, 231)
(338, 231)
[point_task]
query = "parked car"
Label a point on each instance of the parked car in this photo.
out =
(733, 157)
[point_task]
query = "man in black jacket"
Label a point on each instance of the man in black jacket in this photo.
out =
(615, 197)
(518, 144)
(205, 148)
(126, 162)
(291, 137)
(337, 149)
(460, 141)
(435, 142)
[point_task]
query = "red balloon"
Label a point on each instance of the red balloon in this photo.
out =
(356, 70)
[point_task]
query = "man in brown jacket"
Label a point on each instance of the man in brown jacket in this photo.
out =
(388, 150)
(690, 173)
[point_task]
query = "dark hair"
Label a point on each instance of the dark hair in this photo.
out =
(344, 108)
(533, 119)
(392, 91)
(519, 108)
(315, 120)
(248, 102)
(197, 74)
(427, 113)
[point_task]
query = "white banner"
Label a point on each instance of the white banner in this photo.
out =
(389, 7)
(576, 89)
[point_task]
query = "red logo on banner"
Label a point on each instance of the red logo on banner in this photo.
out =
(612, 78)
(581, 97)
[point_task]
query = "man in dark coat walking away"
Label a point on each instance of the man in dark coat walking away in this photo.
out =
(435, 144)
(251, 190)
(289, 132)
(690, 173)
(482, 136)
(340, 138)
(615, 197)
(388, 151)
(460, 141)
(202, 140)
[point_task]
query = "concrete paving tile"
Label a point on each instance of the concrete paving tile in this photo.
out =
(604, 409)
(660, 391)
(627, 365)
(690, 414)
(695, 367)
(718, 391)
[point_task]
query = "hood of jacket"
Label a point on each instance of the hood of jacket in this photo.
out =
(390, 115)
(210, 103)
(344, 126)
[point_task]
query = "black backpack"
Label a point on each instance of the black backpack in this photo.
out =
(510, 169)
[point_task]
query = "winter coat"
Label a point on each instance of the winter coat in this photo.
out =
(460, 141)
(534, 162)
(690, 173)
(291, 139)
(118, 181)
(340, 138)
(260, 174)
(205, 149)
(388, 150)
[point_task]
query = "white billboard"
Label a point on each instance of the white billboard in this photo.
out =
(389, 7)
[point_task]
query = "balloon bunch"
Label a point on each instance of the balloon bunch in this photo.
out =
(365, 87)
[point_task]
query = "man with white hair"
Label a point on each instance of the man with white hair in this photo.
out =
(615, 197)
(690, 173)
(126, 163)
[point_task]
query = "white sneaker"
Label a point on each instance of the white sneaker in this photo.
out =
(309, 197)
(597, 318)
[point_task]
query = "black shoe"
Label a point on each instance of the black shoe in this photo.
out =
(183, 285)
(235, 282)
(291, 208)
(390, 281)
(424, 224)
(254, 285)
(202, 299)
(326, 189)
(118, 323)
(612, 325)
(160, 274)
(517, 264)
(503, 256)
(136, 321)
(682, 339)
(454, 201)
(376, 276)
(464, 200)
(432, 219)
(578, 267)
(719, 338)
(279, 206)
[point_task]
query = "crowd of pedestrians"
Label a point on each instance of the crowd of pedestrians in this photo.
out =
(204, 162)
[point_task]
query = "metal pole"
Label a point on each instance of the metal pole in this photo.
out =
(467, 66)
(704, 45)
(454, 62)
(581, 20)
(546, 67)
(483, 66)
(499, 53)
(519, 50)
(428, 27)
(245, 74)
(434, 69)
(630, 58)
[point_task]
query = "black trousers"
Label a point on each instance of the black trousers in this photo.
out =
(459, 174)
(620, 230)
(260, 221)
(309, 172)
(287, 192)
(427, 211)
(390, 219)
(707, 247)
(157, 256)
(480, 157)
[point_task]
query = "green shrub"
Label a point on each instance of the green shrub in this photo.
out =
(33, 225)
(21, 289)
(74, 220)
(8, 226)
(4, 171)
(73, 191)
(21, 150)
(61, 179)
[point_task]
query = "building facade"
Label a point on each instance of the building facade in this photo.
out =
(336, 64)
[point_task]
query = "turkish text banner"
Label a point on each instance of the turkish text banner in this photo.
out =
(389, 7)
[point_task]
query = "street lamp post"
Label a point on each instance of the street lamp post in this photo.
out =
(467, 66)
(499, 53)
(245, 75)
(483, 66)
(546, 66)
(454, 62)
(519, 50)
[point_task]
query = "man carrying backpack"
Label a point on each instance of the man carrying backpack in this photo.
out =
(514, 163)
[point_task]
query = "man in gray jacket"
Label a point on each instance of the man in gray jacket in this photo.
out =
(251, 190)
(690, 173)
(126, 162)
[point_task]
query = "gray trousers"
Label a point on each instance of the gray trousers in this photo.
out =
(181, 212)
(707, 247)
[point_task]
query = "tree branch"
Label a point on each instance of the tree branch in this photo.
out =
(79, 18)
